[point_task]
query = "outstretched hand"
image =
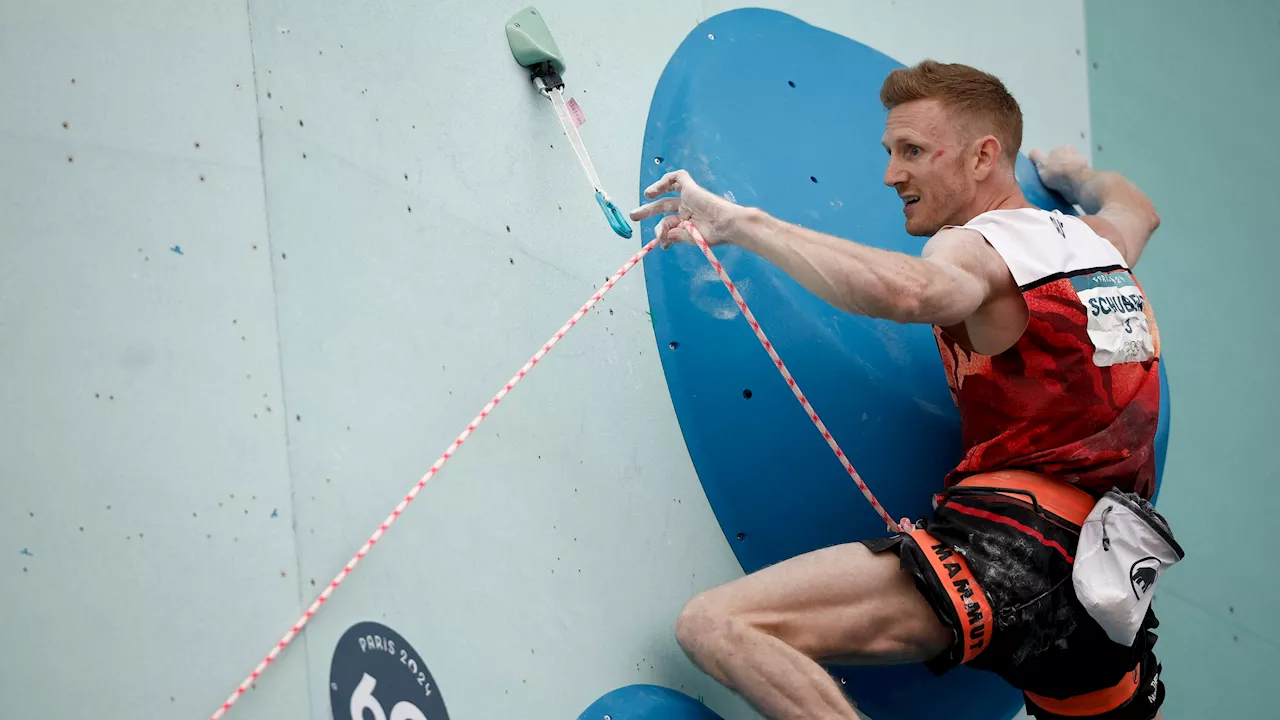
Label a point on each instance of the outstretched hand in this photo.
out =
(713, 215)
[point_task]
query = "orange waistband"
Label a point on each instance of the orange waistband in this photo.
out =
(966, 595)
(1094, 703)
(1056, 496)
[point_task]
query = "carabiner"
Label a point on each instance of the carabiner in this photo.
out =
(617, 220)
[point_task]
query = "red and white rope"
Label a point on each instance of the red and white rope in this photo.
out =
(448, 453)
(439, 463)
(905, 525)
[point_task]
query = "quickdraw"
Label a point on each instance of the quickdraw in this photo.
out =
(533, 47)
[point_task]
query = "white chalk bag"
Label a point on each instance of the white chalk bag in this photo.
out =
(1125, 546)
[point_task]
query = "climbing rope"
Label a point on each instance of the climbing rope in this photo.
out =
(905, 525)
(439, 463)
(279, 647)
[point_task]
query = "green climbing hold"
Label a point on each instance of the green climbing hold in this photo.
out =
(531, 41)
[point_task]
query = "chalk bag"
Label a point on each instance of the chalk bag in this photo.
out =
(1125, 546)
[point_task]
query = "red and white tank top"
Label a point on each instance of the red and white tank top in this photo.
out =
(1078, 396)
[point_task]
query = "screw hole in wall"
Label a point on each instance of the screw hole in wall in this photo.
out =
(674, 345)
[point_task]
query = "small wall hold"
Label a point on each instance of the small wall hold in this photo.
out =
(791, 83)
(674, 345)
(742, 536)
(747, 393)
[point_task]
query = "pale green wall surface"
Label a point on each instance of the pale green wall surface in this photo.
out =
(1184, 100)
(221, 365)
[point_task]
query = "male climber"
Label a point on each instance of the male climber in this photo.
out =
(1051, 352)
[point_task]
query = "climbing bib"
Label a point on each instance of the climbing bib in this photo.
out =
(1116, 308)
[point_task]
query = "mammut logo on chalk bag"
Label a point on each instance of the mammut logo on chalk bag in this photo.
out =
(1143, 575)
(964, 590)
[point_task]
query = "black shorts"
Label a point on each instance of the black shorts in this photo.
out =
(996, 568)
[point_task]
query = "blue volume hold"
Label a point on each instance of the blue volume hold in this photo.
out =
(647, 702)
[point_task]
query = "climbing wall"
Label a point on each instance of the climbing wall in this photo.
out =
(1217, 603)
(260, 263)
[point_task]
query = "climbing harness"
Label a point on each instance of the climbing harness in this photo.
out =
(533, 47)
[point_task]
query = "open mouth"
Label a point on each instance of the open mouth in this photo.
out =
(908, 200)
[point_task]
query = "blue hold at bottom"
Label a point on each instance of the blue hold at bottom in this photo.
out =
(647, 702)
